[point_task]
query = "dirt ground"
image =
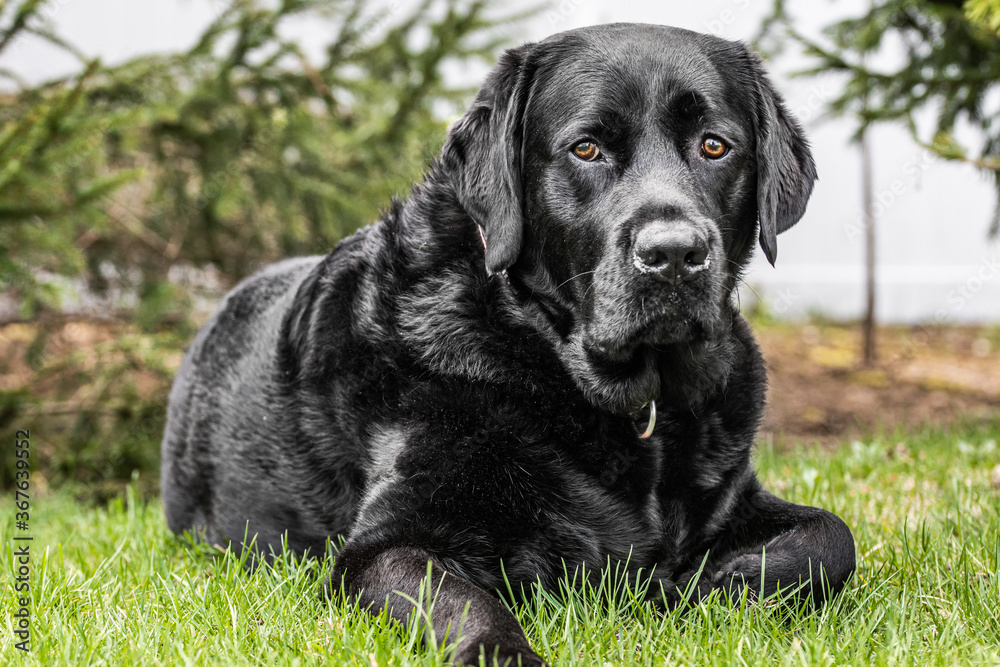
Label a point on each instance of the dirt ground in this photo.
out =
(819, 392)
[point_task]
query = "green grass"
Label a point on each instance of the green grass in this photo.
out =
(112, 586)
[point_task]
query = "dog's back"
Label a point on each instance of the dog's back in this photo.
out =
(222, 447)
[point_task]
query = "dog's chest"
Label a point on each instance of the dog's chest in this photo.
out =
(647, 502)
(596, 499)
(539, 487)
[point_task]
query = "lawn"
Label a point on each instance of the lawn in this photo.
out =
(111, 585)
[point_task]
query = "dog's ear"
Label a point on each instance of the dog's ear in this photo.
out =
(482, 158)
(785, 167)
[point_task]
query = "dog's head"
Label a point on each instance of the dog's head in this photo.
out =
(620, 175)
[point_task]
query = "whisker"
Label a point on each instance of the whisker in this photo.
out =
(741, 281)
(574, 278)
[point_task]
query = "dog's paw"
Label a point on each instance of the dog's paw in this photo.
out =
(687, 591)
(762, 579)
(742, 573)
(500, 657)
(739, 574)
(521, 659)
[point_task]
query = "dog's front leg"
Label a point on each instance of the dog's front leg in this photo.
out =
(389, 576)
(769, 544)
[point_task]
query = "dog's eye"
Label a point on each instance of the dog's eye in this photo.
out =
(713, 148)
(587, 151)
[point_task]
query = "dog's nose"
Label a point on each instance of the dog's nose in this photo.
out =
(673, 252)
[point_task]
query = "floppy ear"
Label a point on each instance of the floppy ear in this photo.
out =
(785, 167)
(482, 158)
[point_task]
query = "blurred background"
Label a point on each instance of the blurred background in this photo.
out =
(154, 153)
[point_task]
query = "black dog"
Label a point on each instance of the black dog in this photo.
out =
(535, 360)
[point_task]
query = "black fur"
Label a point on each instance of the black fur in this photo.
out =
(427, 398)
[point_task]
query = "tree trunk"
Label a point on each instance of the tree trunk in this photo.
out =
(868, 324)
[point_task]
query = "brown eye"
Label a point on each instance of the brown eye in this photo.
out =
(713, 148)
(587, 151)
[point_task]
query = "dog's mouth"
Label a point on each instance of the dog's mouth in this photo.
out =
(628, 312)
(618, 342)
(641, 361)
(622, 349)
(672, 362)
(638, 340)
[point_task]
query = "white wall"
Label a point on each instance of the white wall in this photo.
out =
(935, 261)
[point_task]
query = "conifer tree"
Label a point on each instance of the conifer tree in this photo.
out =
(950, 69)
(244, 149)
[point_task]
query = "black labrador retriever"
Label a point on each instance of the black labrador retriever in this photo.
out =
(533, 363)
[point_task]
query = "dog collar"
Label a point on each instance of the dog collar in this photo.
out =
(652, 421)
